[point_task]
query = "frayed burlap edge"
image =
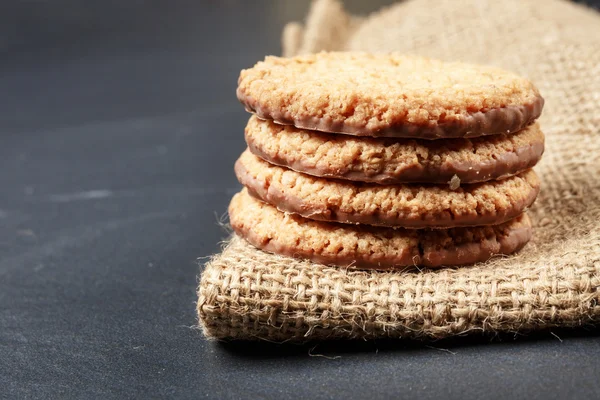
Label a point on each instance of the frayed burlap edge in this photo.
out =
(249, 294)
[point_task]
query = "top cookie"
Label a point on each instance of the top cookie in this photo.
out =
(389, 95)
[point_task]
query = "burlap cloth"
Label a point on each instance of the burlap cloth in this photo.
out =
(555, 281)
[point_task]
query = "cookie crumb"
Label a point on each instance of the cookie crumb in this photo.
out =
(454, 182)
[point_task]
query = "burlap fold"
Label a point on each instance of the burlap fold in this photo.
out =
(555, 281)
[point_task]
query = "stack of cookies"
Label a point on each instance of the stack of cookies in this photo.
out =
(386, 161)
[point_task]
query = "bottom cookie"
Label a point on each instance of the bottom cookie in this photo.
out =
(361, 246)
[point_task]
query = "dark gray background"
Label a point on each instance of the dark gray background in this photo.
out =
(119, 127)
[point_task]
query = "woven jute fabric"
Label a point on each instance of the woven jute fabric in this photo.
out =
(245, 293)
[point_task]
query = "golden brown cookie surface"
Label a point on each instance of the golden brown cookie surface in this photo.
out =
(388, 95)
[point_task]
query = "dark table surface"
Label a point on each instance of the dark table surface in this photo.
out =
(119, 129)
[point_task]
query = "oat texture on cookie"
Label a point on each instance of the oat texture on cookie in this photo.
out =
(390, 160)
(361, 246)
(405, 205)
(388, 95)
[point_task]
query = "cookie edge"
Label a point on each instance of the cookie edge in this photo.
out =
(507, 119)
(285, 202)
(464, 254)
(499, 167)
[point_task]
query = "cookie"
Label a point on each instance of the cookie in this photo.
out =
(390, 160)
(371, 247)
(388, 95)
(409, 205)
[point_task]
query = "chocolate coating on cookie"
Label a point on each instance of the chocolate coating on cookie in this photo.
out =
(392, 160)
(408, 205)
(371, 247)
(389, 95)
